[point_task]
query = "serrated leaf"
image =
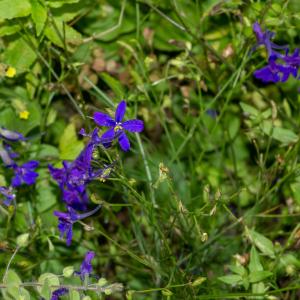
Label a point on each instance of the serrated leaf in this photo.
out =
(262, 243)
(10, 9)
(69, 145)
(20, 60)
(114, 84)
(39, 15)
(61, 31)
(259, 276)
(231, 279)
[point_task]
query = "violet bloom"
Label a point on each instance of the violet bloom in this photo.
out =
(264, 38)
(25, 173)
(74, 176)
(8, 194)
(117, 127)
(59, 292)
(67, 219)
(11, 135)
(275, 72)
(86, 267)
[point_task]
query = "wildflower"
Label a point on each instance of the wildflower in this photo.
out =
(24, 114)
(11, 135)
(25, 173)
(280, 65)
(86, 267)
(117, 127)
(8, 194)
(10, 72)
(67, 219)
(59, 292)
(264, 38)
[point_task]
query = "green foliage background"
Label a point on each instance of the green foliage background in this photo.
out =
(206, 205)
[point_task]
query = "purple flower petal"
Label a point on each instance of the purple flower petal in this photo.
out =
(120, 111)
(133, 125)
(103, 119)
(11, 135)
(31, 164)
(124, 142)
(108, 136)
(16, 181)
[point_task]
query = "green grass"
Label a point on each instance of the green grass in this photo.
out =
(198, 197)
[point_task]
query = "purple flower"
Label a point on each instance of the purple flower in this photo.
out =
(59, 292)
(117, 127)
(86, 267)
(25, 173)
(275, 72)
(67, 219)
(11, 135)
(6, 156)
(264, 38)
(74, 176)
(8, 194)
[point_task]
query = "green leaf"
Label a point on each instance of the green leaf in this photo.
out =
(285, 136)
(47, 280)
(46, 197)
(259, 276)
(231, 279)
(74, 295)
(61, 31)
(252, 111)
(13, 281)
(8, 28)
(21, 60)
(254, 264)
(39, 15)
(69, 145)
(59, 3)
(114, 84)
(10, 9)
(262, 243)
(240, 270)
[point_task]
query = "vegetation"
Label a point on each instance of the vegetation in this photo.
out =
(204, 201)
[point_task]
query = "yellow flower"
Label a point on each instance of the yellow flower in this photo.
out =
(11, 72)
(24, 114)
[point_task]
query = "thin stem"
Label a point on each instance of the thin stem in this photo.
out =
(9, 263)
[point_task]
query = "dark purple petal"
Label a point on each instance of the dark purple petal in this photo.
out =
(31, 164)
(16, 181)
(108, 136)
(59, 292)
(120, 111)
(124, 142)
(86, 267)
(267, 74)
(30, 177)
(133, 125)
(102, 119)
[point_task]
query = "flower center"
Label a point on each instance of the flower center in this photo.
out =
(118, 127)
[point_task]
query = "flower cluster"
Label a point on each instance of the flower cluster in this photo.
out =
(281, 64)
(23, 174)
(74, 177)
